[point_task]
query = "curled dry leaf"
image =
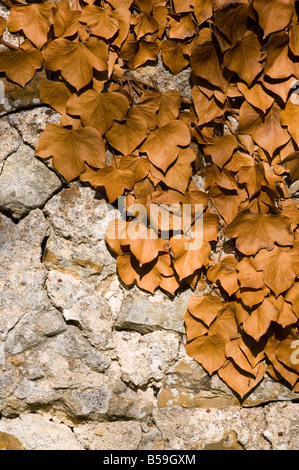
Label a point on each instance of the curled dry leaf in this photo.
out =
(71, 149)
(256, 231)
(20, 65)
(77, 60)
(34, 20)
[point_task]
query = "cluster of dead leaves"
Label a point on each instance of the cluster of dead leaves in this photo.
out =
(242, 125)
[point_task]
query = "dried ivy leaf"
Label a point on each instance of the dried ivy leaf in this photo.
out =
(257, 324)
(181, 27)
(256, 96)
(291, 162)
(127, 135)
(98, 110)
(227, 202)
(76, 60)
(225, 272)
(255, 231)
(2, 25)
(221, 149)
(162, 144)
(173, 56)
(266, 130)
(114, 180)
(248, 276)
(194, 328)
(231, 20)
(209, 351)
(244, 58)
(280, 267)
(203, 10)
(21, 64)
(70, 149)
(204, 308)
(240, 382)
(284, 351)
(253, 177)
(207, 109)
(279, 65)
(205, 63)
(100, 21)
(274, 15)
(34, 20)
(55, 94)
(169, 107)
(188, 260)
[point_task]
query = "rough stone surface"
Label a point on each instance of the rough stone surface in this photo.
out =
(38, 433)
(25, 183)
(86, 363)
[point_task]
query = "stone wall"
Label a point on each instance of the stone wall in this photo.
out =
(86, 363)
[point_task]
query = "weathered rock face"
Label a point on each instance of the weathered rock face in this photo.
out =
(86, 363)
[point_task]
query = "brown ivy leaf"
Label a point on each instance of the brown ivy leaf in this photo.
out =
(2, 25)
(280, 88)
(225, 323)
(162, 144)
(294, 39)
(227, 202)
(279, 65)
(144, 24)
(257, 324)
(181, 28)
(255, 231)
(140, 166)
(286, 315)
(188, 260)
(280, 267)
(147, 108)
(244, 58)
(279, 367)
(266, 130)
(253, 177)
(169, 107)
(194, 327)
(293, 296)
(221, 149)
(231, 20)
(290, 118)
(173, 56)
(100, 21)
(207, 109)
(55, 94)
(204, 308)
(274, 15)
(284, 352)
(234, 352)
(114, 180)
(248, 276)
(252, 297)
(291, 163)
(147, 246)
(59, 17)
(34, 20)
(76, 60)
(240, 382)
(209, 351)
(21, 64)
(224, 178)
(256, 95)
(225, 272)
(203, 10)
(70, 149)
(178, 175)
(205, 63)
(127, 135)
(98, 110)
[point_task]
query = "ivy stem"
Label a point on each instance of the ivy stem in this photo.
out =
(9, 45)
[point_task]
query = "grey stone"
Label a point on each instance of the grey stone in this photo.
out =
(10, 139)
(22, 275)
(38, 433)
(146, 313)
(118, 435)
(31, 123)
(25, 183)
(144, 359)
